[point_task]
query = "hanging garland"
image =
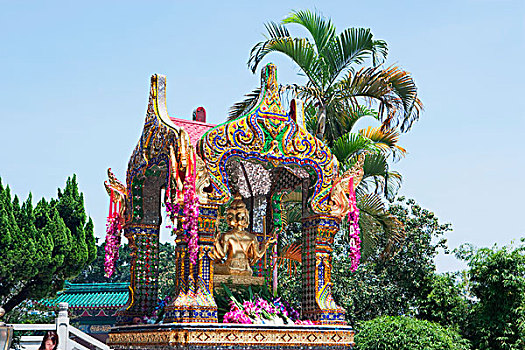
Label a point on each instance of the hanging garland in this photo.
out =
(189, 220)
(190, 205)
(113, 239)
(172, 209)
(354, 231)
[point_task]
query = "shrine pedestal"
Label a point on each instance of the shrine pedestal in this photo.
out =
(222, 336)
(235, 281)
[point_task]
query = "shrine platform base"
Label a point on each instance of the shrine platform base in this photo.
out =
(220, 336)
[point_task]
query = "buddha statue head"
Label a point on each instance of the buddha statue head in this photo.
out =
(237, 216)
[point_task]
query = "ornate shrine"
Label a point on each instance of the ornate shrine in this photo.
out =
(246, 167)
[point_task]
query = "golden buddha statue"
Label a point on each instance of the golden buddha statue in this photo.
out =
(240, 247)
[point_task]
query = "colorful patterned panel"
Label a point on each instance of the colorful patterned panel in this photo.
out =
(144, 242)
(153, 148)
(231, 337)
(317, 301)
(268, 135)
(193, 302)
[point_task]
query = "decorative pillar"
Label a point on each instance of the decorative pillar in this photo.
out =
(194, 301)
(317, 301)
(144, 243)
(142, 231)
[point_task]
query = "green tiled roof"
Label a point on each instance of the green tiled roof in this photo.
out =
(91, 295)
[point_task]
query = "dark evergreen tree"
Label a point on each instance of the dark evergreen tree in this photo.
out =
(42, 246)
(94, 272)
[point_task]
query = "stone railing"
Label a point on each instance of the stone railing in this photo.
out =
(65, 334)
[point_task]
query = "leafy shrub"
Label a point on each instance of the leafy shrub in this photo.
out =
(405, 333)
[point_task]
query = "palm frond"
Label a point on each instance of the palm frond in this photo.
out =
(392, 88)
(301, 51)
(374, 219)
(291, 256)
(386, 140)
(349, 146)
(370, 233)
(375, 164)
(380, 52)
(291, 252)
(294, 211)
(393, 184)
(366, 82)
(276, 30)
(405, 89)
(243, 107)
(309, 94)
(321, 29)
(343, 115)
(350, 47)
(389, 184)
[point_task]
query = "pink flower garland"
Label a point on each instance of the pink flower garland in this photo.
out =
(189, 220)
(112, 244)
(172, 210)
(354, 232)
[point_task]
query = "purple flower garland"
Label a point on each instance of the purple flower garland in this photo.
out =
(112, 244)
(354, 231)
(189, 220)
(173, 211)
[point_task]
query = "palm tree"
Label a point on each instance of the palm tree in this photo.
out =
(378, 183)
(339, 91)
(336, 94)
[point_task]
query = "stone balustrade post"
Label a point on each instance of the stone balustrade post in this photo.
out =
(62, 323)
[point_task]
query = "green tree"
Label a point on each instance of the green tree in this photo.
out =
(444, 301)
(42, 246)
(405, 333)
(94, 272)
(397, 285)
(497, 283)
(167, 270)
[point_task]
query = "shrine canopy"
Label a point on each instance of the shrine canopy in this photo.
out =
(269, 137)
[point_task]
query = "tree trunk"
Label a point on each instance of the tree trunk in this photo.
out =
(321, 121)
(18, 298)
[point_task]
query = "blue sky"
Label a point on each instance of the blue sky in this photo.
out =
(74, 85)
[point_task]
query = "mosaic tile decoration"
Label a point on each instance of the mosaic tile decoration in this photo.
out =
(147, 173)
(193, 299)
(317, 302)
(268, 134)
(144, 244)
